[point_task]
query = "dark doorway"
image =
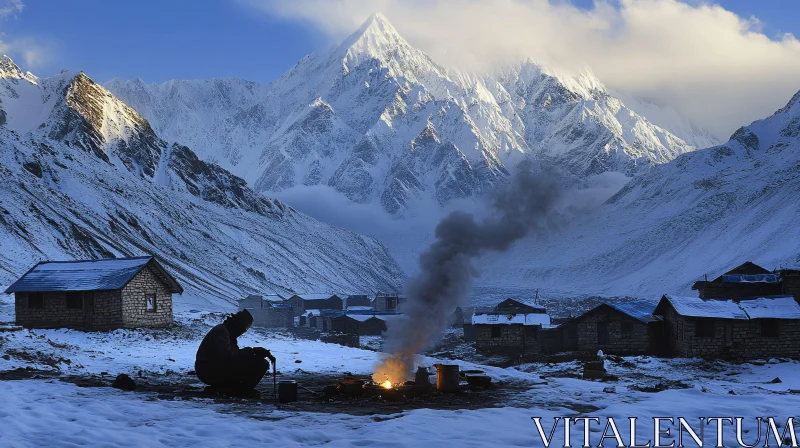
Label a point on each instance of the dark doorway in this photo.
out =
(88, 308)
(602, 333)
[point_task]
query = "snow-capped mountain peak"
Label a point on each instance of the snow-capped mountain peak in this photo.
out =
(10, 70)
(348, 119)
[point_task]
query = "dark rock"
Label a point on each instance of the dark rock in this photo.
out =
(124, 382)
(297, 361)
(775, 380)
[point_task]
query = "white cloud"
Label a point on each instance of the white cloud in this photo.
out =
(715, 67)
(10, 8)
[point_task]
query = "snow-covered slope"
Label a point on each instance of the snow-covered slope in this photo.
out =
(380, 122)
(702, 213)
(89, 177)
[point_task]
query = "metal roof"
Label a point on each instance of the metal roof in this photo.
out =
(88, 275)
(784, 307)
(751, 278)
(778, 307)
(697, 307)
(641, 310)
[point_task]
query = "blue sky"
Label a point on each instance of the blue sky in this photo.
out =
(160, 40)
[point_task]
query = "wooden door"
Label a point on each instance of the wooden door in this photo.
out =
(602, 333)
(88, 308)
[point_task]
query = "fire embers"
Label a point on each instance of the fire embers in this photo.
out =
(448, 383)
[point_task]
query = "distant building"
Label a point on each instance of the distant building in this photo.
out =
(511, 327)
(315, 301)
(360, 323)
(269, 310)
(620, 328)
(745, 280)
(357, 302)
(387, 302)
(758, 328)
(95, 294)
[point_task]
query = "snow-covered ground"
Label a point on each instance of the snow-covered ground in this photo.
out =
(52, 412)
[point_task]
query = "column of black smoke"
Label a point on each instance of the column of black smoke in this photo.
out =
(528, 204)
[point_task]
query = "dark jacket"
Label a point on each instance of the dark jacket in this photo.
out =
(219, 347)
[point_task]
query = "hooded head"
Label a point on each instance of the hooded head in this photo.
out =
(239, 323)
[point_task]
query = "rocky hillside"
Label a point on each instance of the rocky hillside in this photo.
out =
(84, 175)
(380, 122)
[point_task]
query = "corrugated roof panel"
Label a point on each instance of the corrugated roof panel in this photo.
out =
(697, 307)
(771, 308)
(85, 275)
(641, 310)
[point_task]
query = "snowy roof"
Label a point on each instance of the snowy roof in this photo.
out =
(511, 319)
(366, 317)
(641, 310)
(697, 307)
(780, 307)
(315, 296)
(771, 308)
(88, 275)
(266, 297)
(358, 308)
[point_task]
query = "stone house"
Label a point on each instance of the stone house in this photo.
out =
(620, 328)
(269, 311)
(745, 280)
(755, 328)
(95, 294)
(315, 301)
(510, 328)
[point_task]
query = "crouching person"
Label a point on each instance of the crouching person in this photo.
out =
(220, 362)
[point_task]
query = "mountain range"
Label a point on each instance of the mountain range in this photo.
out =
(380, 122)
(702, 213)
(85, 176)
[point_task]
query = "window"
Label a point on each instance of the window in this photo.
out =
(704, 328)
(35, 300)
(391, 303)
(770, 328)
(74, 300)
(496, 332)
(150, 300)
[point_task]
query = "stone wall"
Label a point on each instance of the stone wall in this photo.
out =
(791, 283)
(625, 335)
(55, 314)
(512, 339)
(134, 306)
(732, 339)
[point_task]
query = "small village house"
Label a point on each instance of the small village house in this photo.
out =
(300, 303)
(362, 324)
(745, 280)
(620, 328)
(510, 328)
(756, 328)
(387, 302)
(357, 302)
(270, 311)
(95, 294)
